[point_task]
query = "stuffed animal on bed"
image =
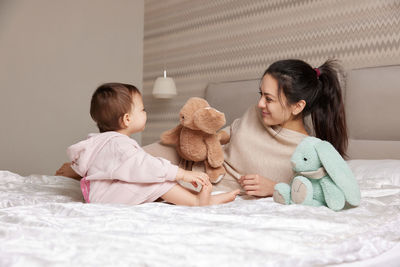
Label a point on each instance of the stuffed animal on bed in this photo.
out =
(197, 138)
(323, 178)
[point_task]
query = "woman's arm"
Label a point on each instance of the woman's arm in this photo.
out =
(256, 185)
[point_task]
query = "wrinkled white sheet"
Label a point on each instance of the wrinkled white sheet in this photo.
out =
(44, 223)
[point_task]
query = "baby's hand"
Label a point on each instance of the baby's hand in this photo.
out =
(67, 171)
(194, 178)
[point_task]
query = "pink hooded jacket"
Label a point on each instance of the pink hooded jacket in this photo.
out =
(115, 169)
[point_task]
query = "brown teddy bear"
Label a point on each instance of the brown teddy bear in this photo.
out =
(196, 137)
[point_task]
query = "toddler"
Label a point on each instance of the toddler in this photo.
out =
(115, 169)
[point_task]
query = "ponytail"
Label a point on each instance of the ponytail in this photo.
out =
(328, 115)
(321, 90)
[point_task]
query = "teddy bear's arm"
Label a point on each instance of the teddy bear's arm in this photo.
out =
(224, 137)
(171, 137)
(215, 154)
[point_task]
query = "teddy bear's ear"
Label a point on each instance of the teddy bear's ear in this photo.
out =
(209, 120)
(339, 171)
(195, 103)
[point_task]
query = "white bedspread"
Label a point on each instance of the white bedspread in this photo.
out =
(44, 223)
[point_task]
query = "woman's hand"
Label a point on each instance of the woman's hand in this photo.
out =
(256, 185)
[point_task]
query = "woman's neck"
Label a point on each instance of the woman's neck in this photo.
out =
(295, 125)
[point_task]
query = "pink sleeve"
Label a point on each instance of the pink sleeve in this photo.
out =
(137, 166)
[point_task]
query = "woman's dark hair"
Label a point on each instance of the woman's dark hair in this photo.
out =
(109, 103)
(321, 90)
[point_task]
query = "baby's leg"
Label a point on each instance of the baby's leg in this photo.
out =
(205, 197)
(224, 197)
(180, 196)
(205, 194)
(67, 171)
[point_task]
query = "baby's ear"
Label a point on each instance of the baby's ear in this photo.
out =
(124, 121)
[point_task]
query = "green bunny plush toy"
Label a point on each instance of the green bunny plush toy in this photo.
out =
(322, 178)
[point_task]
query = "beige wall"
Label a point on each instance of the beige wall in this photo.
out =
(53, 54)
(225, 40)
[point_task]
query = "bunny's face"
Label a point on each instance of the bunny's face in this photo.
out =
(305, 157)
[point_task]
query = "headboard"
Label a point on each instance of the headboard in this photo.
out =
(371, 97)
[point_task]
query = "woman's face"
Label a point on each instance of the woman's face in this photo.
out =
(274, 111)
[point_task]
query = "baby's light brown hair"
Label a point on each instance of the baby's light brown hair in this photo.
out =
(109, 103)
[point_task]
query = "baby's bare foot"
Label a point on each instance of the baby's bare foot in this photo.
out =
(224, 197)
(205, 194)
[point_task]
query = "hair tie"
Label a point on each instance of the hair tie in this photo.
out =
(318, 72)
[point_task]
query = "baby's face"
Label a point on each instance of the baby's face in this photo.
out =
(138, 115)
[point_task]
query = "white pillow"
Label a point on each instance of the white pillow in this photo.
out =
(384, 171)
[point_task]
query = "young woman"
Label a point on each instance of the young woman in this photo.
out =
(263, 140)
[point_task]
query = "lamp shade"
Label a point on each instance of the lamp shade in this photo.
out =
(164, 87)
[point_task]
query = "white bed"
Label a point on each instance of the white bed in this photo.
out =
(43, 222)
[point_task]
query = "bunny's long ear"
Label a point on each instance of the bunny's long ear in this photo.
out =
(339, 171)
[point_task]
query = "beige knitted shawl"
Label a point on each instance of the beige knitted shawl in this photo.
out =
(255, 148)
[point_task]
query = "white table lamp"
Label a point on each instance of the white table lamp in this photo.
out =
(164, 87)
